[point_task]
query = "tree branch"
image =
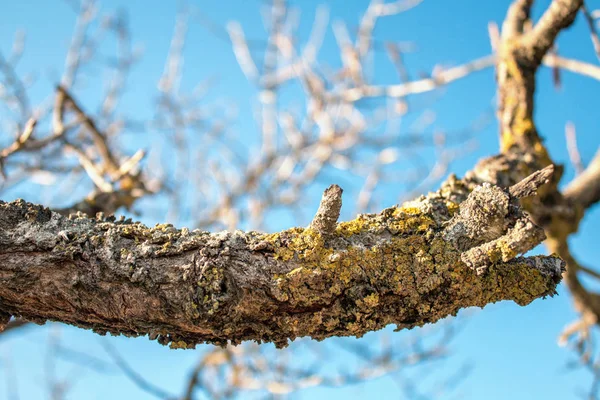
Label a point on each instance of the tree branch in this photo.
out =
(402, 266)
(99, 138)
(572, 65)
(558, 213)
(404, 89)
(101, 202)
(559, 15)
(516, 69)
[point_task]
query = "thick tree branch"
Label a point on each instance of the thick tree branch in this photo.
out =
(402, 266)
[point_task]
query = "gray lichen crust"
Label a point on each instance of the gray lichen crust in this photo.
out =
(407, 266)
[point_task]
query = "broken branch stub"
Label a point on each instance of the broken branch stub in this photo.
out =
(325, 220)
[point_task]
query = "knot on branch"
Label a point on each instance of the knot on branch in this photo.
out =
(325, 220)
(491, 226)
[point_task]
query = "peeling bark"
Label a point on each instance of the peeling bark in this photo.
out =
(402, 266)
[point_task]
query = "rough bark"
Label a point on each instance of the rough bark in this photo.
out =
(403, 266)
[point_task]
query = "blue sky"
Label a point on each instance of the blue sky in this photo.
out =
(512, 349)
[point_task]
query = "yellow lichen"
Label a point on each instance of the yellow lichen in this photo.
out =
(371, 300)
(452, 207)
(406, 210)
(294, 271)
(350, 228)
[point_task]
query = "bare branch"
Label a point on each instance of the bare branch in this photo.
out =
(241, 50)
(423, 85)
(21, 140)
(559, 15)
(593, 32)
(574, 156)
(584, 190)
(99, 137)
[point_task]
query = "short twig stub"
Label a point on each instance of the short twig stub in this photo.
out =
(327, 215)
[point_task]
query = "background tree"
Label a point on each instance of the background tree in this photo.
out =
(348, 121)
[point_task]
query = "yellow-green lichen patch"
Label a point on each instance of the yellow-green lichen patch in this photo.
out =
(501, 251)
(408, 220)
(331, 324)
(516, 281)
(209, 289)
(371, 300)
(309, 245)
(352, 227)
(295, 271)
(407, 210)
(397, 220)
(390, 265)
(452, 207)
(346, 287)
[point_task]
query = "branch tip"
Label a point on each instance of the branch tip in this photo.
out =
(528, 186)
